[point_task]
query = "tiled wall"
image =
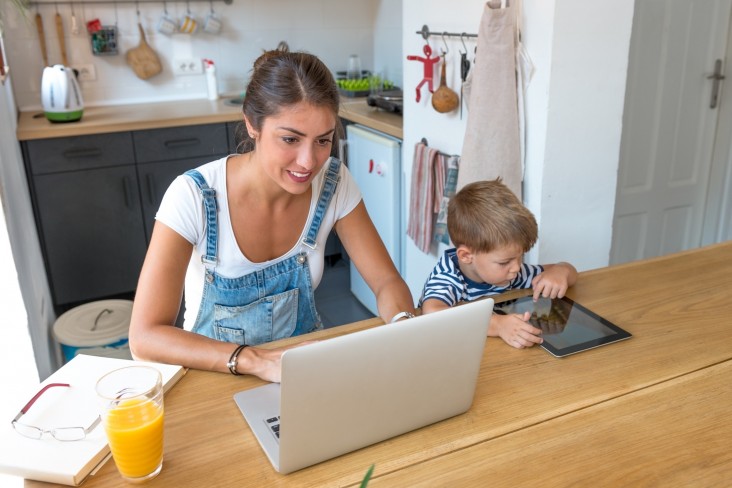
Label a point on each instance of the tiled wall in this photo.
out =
(332, 29)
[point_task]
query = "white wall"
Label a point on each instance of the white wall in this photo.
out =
(23, 238)
(579, 91)
(332, 29)
(574, 114)
(442, 131)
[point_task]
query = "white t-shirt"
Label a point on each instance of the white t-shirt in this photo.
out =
(182, 210)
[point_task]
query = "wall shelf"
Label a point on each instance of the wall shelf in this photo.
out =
(36, 3)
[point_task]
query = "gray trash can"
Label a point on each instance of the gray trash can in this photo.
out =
(98, 328)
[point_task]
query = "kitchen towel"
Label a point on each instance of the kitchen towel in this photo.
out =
(491, 147)
(452, 164)
(422, 196)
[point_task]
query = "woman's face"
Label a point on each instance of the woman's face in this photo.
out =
(293, 145)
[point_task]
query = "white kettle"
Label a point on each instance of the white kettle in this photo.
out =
(61, 95)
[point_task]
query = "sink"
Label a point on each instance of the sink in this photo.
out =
(234, 102)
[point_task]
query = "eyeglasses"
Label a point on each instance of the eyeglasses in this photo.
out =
(61, 434)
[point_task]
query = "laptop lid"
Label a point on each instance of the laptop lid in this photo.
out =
(345, 393)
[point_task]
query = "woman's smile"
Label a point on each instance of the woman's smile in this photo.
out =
(299, 177)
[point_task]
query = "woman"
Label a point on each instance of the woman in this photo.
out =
(246, 234)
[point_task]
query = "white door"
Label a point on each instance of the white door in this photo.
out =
(669, 126)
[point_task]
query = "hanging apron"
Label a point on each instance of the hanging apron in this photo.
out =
(268, 304)
(491, 147)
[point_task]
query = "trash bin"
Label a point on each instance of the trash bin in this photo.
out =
(98, 328)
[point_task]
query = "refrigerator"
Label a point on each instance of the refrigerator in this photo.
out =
(374, 160)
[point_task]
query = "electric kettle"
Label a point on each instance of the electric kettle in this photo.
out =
(61, 95)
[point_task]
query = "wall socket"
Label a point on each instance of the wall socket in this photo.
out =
(87, 72)
(187, 66)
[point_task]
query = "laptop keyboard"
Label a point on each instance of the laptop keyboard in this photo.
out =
(273, 423)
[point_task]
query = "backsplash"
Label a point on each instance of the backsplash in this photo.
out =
(331, 29)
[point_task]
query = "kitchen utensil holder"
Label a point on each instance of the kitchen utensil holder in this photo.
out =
(426, 33)
(70, 2)
(104, 41)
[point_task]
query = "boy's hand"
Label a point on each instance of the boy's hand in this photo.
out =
(515, 330)
(554, 281)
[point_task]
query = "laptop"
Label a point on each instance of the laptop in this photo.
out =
(345, 393)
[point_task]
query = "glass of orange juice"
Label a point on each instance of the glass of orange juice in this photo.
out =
(132, 411)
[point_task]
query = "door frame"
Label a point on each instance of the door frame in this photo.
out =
(717, 225)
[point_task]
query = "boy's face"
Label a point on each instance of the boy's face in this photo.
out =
(497, 267)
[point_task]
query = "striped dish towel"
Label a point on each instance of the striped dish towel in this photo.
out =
(448, 190)
(422, 196)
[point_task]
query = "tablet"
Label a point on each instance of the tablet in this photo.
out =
(567, 327)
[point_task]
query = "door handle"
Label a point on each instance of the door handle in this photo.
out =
(716, 78)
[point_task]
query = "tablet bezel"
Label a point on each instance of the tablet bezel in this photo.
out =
(619, 334)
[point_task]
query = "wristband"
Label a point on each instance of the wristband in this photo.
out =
(401, 315)
(232, 360)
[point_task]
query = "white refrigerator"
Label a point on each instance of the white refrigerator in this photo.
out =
(374, 160)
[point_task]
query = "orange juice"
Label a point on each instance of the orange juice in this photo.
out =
(135, 433)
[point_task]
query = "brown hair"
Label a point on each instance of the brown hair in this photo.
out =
(281, 78)
(485, 215)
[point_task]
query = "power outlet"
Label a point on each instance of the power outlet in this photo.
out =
(87, 72)
(187, 66)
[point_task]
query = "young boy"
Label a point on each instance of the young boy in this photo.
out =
(491, 230)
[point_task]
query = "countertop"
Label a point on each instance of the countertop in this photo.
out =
(119, 118)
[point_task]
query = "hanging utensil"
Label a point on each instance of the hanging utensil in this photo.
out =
(464, 68)
(143, 59)
(61, 39)
(41, 38)
(75, 29)
(444, 99)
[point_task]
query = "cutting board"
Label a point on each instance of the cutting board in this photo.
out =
(143, 59)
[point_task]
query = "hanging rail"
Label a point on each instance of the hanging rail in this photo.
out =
(37, 3)
(426, 33)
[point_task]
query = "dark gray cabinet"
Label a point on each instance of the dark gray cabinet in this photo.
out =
(95, 199)
(92, 231)
(163, 154)
(232, 128)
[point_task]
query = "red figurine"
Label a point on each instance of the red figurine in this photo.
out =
(429, 69)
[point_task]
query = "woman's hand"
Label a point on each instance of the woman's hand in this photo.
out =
(264, 363)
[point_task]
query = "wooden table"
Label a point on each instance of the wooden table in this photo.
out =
(651, 410)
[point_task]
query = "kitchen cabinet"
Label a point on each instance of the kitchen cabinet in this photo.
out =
(95, 199)
(231, 129)
(163, 154)
(88, 213)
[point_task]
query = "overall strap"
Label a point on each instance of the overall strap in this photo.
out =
(209, 204)
(326, 194)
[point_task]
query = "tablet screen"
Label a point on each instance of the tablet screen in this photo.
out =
(567, 327)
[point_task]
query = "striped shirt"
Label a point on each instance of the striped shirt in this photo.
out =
(448, 284)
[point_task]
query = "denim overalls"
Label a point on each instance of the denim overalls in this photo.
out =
(269, 304)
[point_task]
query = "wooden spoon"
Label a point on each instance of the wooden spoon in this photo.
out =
(143, 59)
(42, 38)
(444, 99)
(61, 39)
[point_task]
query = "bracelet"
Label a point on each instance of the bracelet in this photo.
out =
(401, 315)
(232, 360)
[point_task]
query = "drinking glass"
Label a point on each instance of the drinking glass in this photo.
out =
(353, 71)
(131, 404)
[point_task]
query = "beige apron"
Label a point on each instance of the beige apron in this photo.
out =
(492, 146)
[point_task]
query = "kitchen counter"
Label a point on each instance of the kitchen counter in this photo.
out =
(119, 118)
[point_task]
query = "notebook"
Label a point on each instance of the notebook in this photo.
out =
(345, 393)
(68, 463)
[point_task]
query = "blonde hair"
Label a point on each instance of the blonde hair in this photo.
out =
(486, 215)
